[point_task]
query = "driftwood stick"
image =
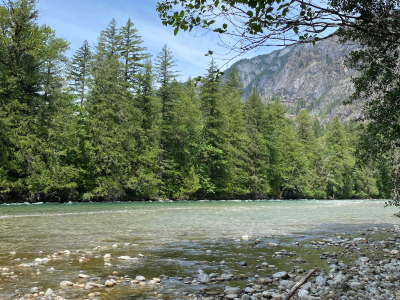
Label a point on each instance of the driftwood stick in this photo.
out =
(299, 284)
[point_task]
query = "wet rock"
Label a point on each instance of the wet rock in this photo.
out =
(287, 284)
(245, 297)
(110, 283)
(242, 264)
(231, 296)
(280, 275)
(107, 256)
(232, 290)
(265, 280)
(66, 283)
(308, 297)
(140, 278)
(249, 290)
(332, 261)
(320, 281)
(203, 278)
(226, 276)
(126, 258)
(302, 293)
(49, 293)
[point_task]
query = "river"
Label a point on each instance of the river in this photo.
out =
(173, 238)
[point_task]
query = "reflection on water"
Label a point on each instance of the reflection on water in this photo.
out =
(174, 236)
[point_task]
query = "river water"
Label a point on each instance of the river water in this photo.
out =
(173, 238)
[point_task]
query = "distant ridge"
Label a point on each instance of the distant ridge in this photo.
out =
(304, 76)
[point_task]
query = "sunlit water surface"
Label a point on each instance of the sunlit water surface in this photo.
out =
(174, 237)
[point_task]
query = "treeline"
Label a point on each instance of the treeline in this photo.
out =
(112, 124)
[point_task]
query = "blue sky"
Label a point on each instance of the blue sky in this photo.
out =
(77, 20)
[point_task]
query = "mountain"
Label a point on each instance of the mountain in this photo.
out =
(304, 76)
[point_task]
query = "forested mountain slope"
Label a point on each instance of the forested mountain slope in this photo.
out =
(303, 76)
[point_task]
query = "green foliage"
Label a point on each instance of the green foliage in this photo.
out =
(79, 71)
(137, 133)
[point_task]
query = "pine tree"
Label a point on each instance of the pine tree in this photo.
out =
(214, 110)
(257, 149)
(287, 172)
(112, 123)
(110, 39)
(165, 75)
(340, 161)
(183, 130)
(79, 71)
(237, 141)
(132, 53)
(147, 167)
(32, 102)
(233, 81)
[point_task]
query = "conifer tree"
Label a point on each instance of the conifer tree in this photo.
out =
(165, 75)
(340, 162)
(257, 149)
(183, 129)
(233, 81)
(287, 172)
(212, 169)
(113, 123)
(32, 102)
(132, 53)
(79, 71)
(147, 166)
(237, 140)
(110, 39)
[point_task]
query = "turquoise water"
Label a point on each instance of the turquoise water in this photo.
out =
(174, 236)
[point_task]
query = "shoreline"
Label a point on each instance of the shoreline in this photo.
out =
(189, 200)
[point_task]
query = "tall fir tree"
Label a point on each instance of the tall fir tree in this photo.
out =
(32, 102)
(165, 75)
(257, 149)
(183, 130)
(237, 140)
(113, 123)
(147, 167)
(79, 71)
(212, 166)
(133, 53)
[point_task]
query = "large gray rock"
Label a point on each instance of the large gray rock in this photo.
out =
(302, 292)
(320, 281)
(287, 284)
(226, 276)
(203, 278)
(280, 275)
(66, 283)
(232, 290)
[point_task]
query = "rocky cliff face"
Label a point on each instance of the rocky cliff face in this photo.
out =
(304, 76)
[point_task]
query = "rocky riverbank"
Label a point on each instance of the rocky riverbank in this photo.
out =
(362, 267)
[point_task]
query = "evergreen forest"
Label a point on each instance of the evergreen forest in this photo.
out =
(113, 123)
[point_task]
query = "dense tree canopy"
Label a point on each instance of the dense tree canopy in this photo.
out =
(109, 125)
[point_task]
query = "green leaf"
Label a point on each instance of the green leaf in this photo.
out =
(250, 13)
(176, 30)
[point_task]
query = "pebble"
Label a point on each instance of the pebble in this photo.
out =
(140, 278)
(109, 283)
